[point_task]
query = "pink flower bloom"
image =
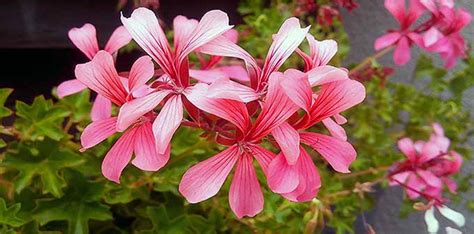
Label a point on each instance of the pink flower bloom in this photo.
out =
(445, 35)
(204, 180)
(189, 35)
(429, 165)
(85, 39)
(288, 172)
(100, 75)
(285, 41)
(209, 72)
(404, 37)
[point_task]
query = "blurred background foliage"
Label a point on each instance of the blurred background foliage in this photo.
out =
(48, 186)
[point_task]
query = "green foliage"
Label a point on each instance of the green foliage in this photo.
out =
(48, 185)
(8, 215)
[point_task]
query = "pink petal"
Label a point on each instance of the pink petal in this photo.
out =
(232, 35)
(146, 156)
(431, 37)
(100, 75)
(408, 148)
(144, 28)
(230, 110)
(336, 97)
(288, 38)
(325, 74)
(415, 186)
(245, 195)
(85, 39)
(321, 51)
(101, 109)
(97, 131)
(309, 180)
(213, 24)
(450, 184)
(119, 38)
(119, 156)
(69, 87)
(340, 154)
(401, 55)
(183, 27)
(204, 179)
(134, 109)
(282, 177)
(335, 129)
(263, 156)
(167, 121)
(289, 141)
(207, 76)
(386, 40)
(429, 151)
(142, 70)
(297, 88)
(276, 109)
(340, 119)
(222, 46)
(397, 8)
(227, 89)
(430, 178)
(235, 72)
(400, 177)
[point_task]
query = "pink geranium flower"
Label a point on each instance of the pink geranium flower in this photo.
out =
(444, 37)
(204, 180)
(285, 41)
(428, 167)
(404, 37)
(101, 76)
(172, 86)
(288, 172)
(85, 39)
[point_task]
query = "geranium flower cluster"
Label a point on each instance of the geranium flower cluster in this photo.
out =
(325, 13)
(438, 33)
(428, 169)
(240, 106)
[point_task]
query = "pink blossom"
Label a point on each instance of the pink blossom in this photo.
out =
(85, 39)
(173, 84)
(100, 75)
(285, 42)
(404, 37)
(429, 166)
(288, 172)
(444, 37)
(204, 180)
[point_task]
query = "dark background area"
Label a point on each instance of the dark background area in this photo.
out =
(37, 53)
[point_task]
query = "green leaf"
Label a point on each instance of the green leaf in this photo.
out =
(78, 105)
(8, 215)
(80, 203)
(44, 159)
(40, 119)
(163, 224)
(4, 93)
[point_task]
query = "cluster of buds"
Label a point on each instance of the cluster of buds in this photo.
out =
(429, 168)
(237, 106)
(438, 33)
(325, 13)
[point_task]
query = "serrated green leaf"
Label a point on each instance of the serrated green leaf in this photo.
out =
(80, 203)
(4, 93)
(40, 119)
(47, 165)
(8, 215)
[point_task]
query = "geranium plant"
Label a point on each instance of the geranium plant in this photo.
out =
(241, 130)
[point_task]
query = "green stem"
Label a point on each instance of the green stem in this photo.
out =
(367, 61)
